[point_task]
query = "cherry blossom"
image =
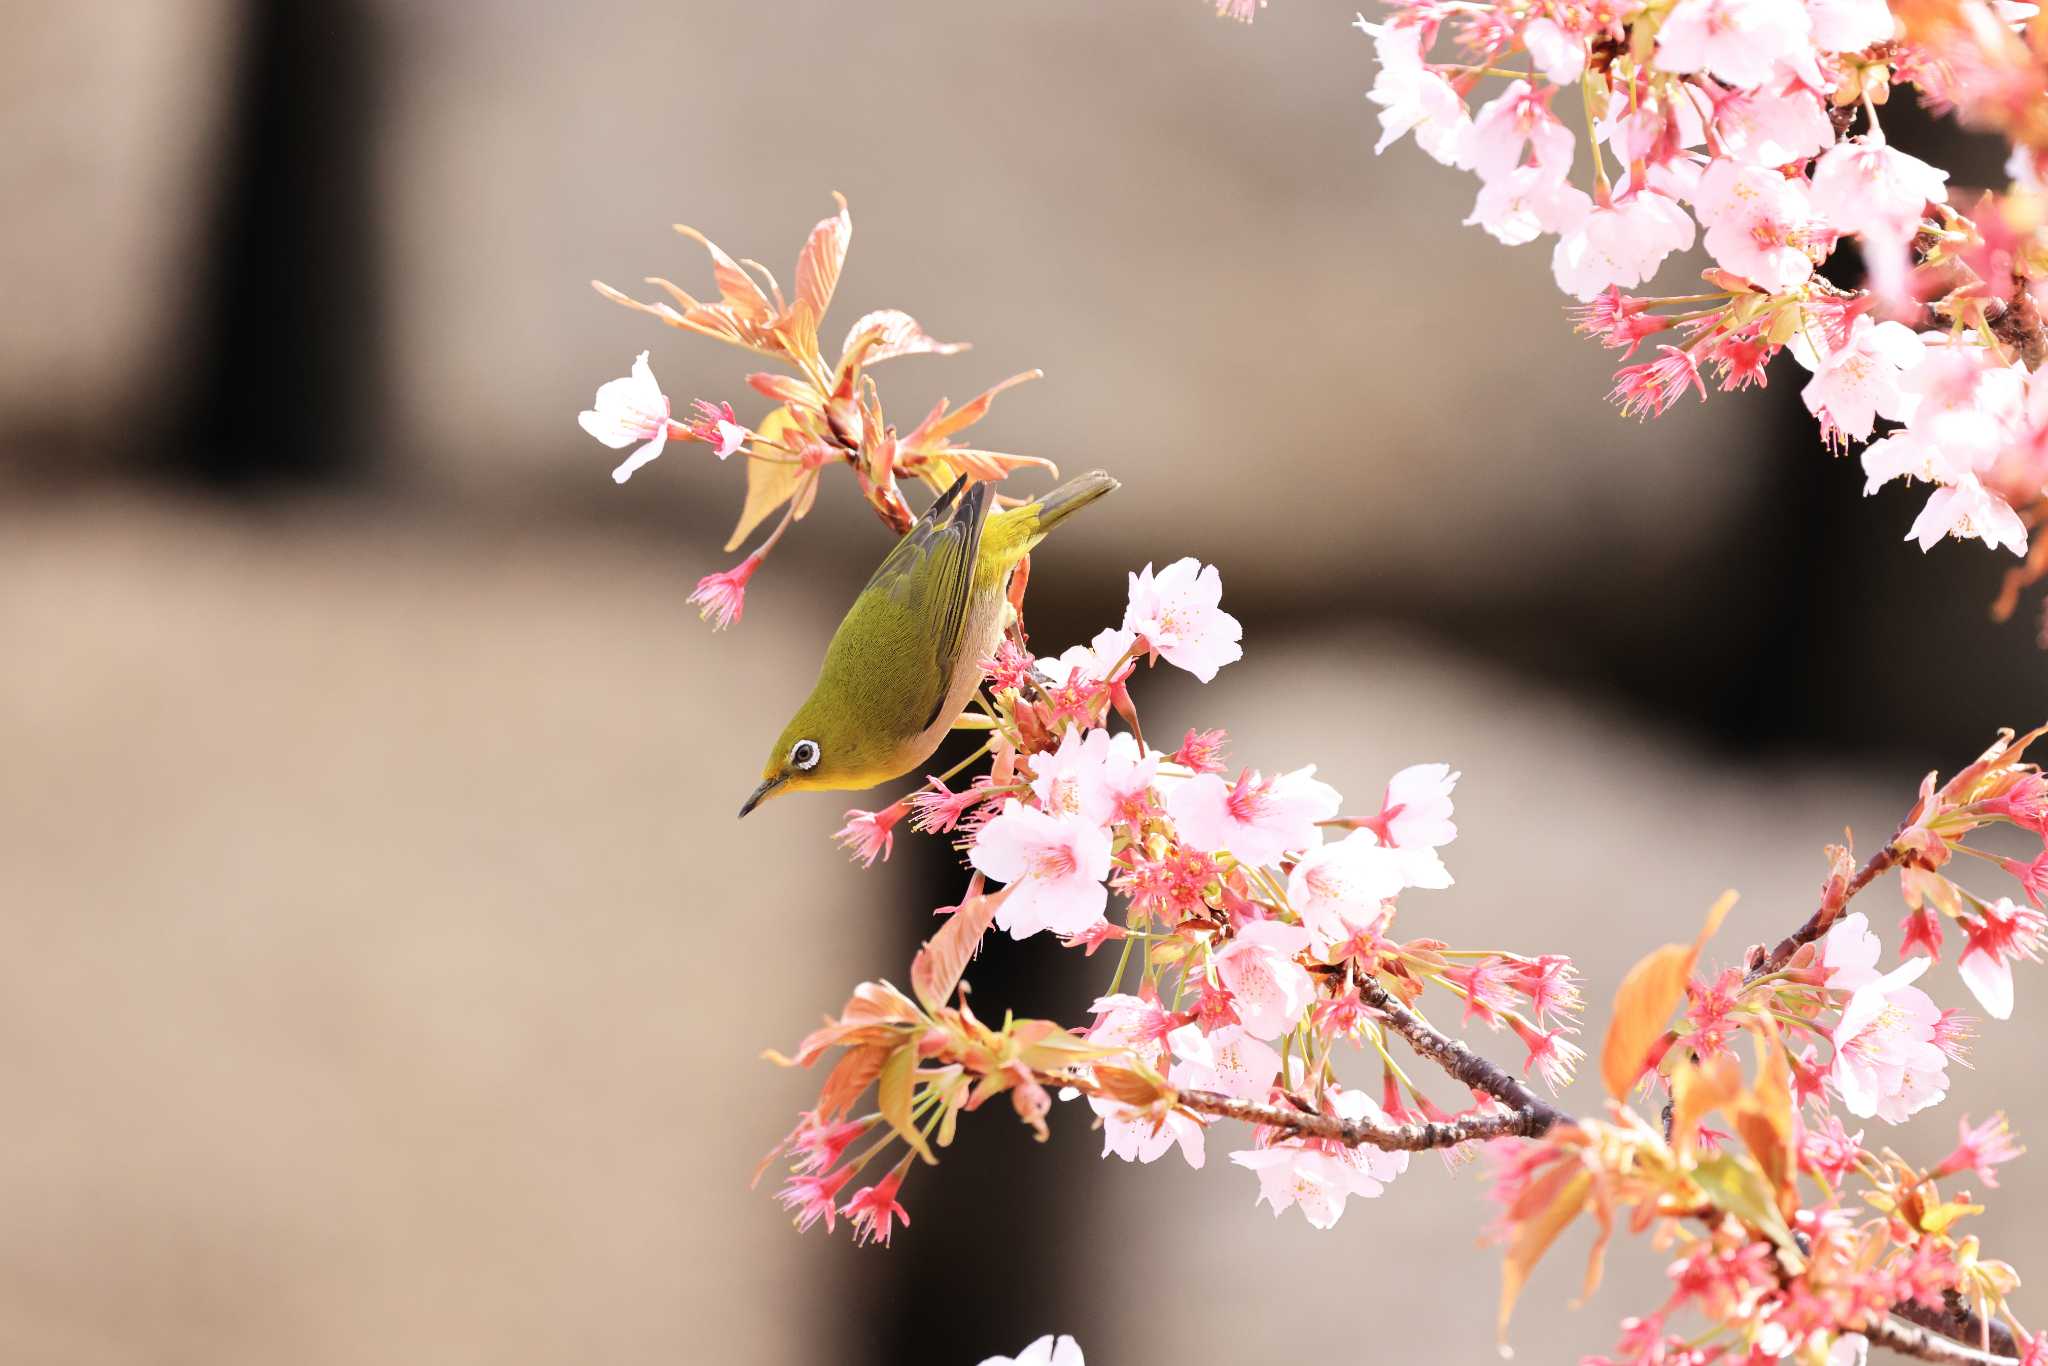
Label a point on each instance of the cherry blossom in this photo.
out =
(721, 598)
(1229, 1059)
(1180, 617)
(1756, 221)
(1621, 243)
(1046, 1351)
(1868, 186)
(1416, 811)
(1998, 933)
(1138, 1026)
(1412, 98)
(1055, 867)
(1739, 41)
(1886, 1062)
(1859, 381)
(874, 1209)
(628, 410)
(1255, 819)
(1268, 988)
(1516, 120)
(1337, 888)
(1092, 777)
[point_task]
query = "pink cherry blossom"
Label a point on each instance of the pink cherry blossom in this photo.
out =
(1229, 1059)
(1559, 55)
(628, 410)
(1980, 1150)
(1267, 987)
(1968, 511)
(874, 1210)
(1179, 613)
(869, 835)
(1997, 934)
(1523, 204)
(1294, 1176)
(1738, 41)
(1756, 221)
(1054, 865)
(1849, 25)
(1090, 663)
(1413, 98)
(1256, 819)
(1771, 128)
(1850, 953)
(1886, 1061)
(1518, 118)
(1338, 888)
(1046, 1351)
(1140, 1026)
(1415, 813)
(1622, 243)
(1866, 185)
(1093, 777)
(1860, 381)
(721, 598)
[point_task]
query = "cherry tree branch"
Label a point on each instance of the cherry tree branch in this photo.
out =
(1353, 1133)
(1956, 1321)
(1828, 912)
(1461, 1062)
(1928, 1344)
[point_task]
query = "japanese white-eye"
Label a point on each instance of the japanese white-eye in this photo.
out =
(908, 656)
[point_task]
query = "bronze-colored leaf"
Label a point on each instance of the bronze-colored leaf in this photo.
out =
(940, 963)
(1565, 1191)
(1645, 1001)
(772, 478)
(817, 266)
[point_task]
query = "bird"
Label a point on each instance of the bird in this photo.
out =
(909, 653)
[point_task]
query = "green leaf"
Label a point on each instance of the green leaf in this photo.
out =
(1742, 1190)
(894, 1089)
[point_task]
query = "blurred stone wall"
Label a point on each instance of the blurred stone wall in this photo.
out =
(382, 975)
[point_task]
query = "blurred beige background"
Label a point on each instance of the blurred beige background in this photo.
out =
(382, 977)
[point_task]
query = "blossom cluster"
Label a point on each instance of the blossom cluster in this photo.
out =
(1794, 1234)
(824, 414)
(1255, 934)
(1752, 127)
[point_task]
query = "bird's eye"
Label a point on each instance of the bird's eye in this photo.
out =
(804, 754)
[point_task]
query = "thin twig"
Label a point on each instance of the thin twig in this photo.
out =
(1461, 1062)
(1354, 1133)
(1828, 912)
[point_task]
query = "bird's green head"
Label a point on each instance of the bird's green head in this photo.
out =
(825, 747)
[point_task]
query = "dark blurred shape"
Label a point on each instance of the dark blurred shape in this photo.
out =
(287, 386)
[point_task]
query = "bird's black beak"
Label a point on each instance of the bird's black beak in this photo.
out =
(761, 794)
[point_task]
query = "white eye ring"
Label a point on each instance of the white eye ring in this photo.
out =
(804, 754)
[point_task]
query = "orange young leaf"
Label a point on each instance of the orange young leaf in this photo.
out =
(937, 969)
(1563, 1194)
(772, 478)
(817, 266)
(1698, 1089)
(1644, 1002)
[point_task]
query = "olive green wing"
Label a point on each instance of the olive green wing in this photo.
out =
(930, 574)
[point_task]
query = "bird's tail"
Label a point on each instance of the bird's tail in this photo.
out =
(1068, 498)
(1010, 534)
